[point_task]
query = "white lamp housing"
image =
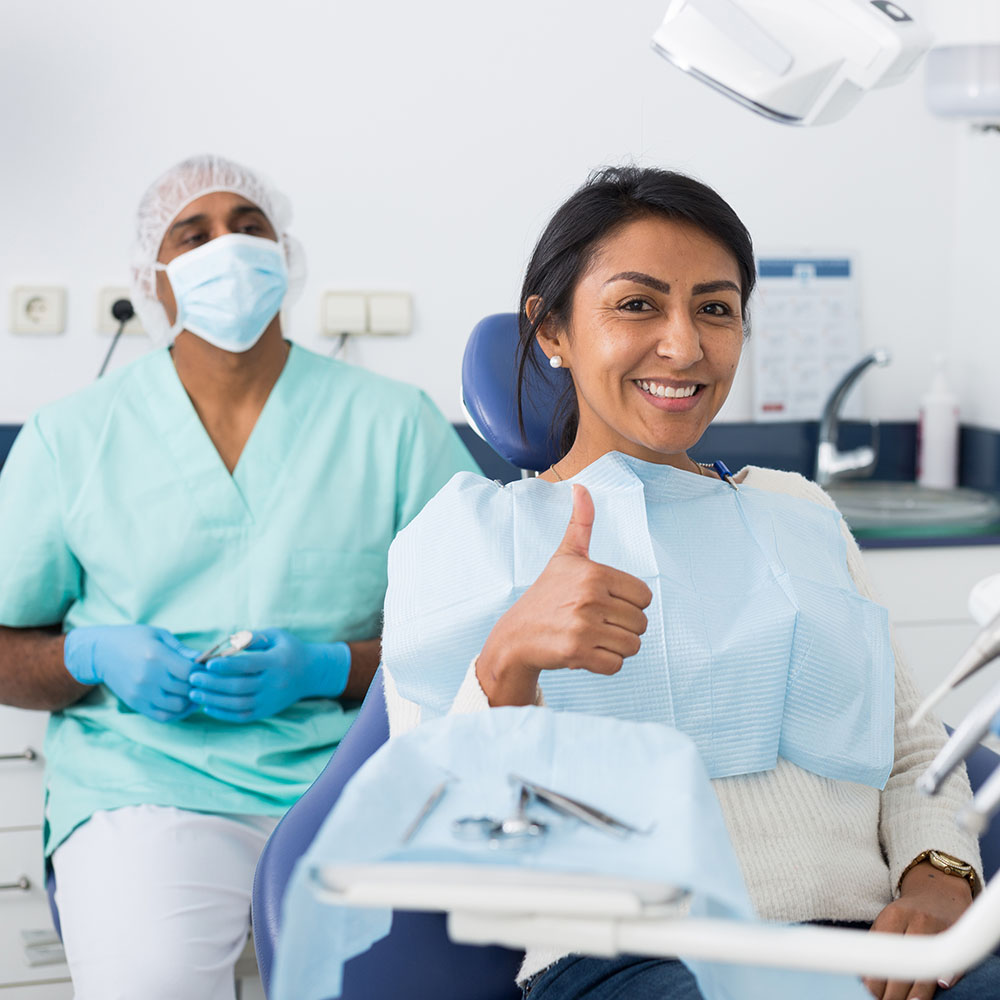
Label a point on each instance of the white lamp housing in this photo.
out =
(963, 68)
(799, 62)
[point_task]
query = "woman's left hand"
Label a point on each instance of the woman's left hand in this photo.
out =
(929, 902)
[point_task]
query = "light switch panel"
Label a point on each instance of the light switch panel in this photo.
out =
(344, 312)
(390, 313)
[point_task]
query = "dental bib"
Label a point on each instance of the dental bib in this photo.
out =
(758, 643)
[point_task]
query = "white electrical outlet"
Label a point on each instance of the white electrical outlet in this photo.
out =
(106, 323)
(38, 309)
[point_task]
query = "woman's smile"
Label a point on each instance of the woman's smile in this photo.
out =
(669, 395)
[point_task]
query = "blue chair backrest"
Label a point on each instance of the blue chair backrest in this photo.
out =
(417, 960)
(489, 394)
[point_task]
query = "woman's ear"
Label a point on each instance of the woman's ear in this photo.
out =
(550, 335)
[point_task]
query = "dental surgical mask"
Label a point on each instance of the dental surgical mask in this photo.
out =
(228, 290)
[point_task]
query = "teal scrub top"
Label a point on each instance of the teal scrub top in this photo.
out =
(115, 508)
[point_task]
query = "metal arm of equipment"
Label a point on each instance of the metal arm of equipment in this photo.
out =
(587, 914)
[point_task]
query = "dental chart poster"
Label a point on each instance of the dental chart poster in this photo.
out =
(806, 334)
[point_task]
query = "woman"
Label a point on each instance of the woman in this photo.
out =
(638, 288)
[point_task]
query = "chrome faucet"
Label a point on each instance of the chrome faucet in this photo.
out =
(833, 464)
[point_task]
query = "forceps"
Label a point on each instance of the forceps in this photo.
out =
(578, 810)
(232, 644)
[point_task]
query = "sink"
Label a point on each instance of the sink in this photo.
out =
(906, 508)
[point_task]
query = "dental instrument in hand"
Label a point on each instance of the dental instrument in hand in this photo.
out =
(229, 646)
(963, 740)
(578, 810)
(984, 649)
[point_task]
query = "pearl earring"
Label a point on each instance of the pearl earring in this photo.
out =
(555, 361)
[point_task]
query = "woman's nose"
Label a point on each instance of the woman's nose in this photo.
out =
(680, 341)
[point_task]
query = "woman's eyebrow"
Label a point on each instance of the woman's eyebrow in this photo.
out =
(708, 287)
(705, 288)
(640, 278)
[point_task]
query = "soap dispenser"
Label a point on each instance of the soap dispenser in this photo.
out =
(937, 432)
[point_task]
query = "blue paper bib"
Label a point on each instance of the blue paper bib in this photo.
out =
(758, 643)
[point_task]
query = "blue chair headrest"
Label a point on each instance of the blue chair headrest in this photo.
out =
(489, 394)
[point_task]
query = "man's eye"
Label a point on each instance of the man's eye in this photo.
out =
(193, 239)
(252, 228)
(635, 305)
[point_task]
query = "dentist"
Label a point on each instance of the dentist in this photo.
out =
(231, 480)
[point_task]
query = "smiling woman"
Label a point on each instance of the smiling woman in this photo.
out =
(737, 612)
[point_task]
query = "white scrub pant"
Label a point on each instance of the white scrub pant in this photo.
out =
(154, 902)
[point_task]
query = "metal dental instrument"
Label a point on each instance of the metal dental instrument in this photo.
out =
(473, 827)
(965, 737)
(425, 810)
(984, 649)
(518, 827)
(976, 815)
(520, 824)
(229, 646)
(578, 810)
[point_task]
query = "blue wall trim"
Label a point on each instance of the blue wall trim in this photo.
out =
(790, 446)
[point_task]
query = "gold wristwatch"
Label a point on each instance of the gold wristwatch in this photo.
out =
(948, 864)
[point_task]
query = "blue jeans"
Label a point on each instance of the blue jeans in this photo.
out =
(630, 977)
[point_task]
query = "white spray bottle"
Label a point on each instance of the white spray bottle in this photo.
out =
(937, 432)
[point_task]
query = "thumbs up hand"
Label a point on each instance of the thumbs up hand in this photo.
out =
(578, 614)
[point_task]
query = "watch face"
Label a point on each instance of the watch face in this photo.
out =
(950, 859)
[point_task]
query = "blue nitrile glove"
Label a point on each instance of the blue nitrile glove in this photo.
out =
(146, 667)
(275, 671)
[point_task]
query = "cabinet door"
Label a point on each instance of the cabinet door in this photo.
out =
(23, 909)
(927, 594)
(930, 585)
(21, 736)
(930, 651)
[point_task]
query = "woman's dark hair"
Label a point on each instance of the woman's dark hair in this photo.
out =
(612, 197)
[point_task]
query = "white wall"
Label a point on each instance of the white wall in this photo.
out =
(424, 146)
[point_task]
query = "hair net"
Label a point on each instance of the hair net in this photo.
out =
(178, 187)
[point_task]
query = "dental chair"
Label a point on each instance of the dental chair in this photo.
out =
(417, 960)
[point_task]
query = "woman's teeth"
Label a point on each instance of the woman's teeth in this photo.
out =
(667, 391)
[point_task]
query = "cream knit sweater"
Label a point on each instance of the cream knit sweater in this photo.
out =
(811, 848)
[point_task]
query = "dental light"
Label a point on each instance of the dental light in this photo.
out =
(800, 62)
(963, 68)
